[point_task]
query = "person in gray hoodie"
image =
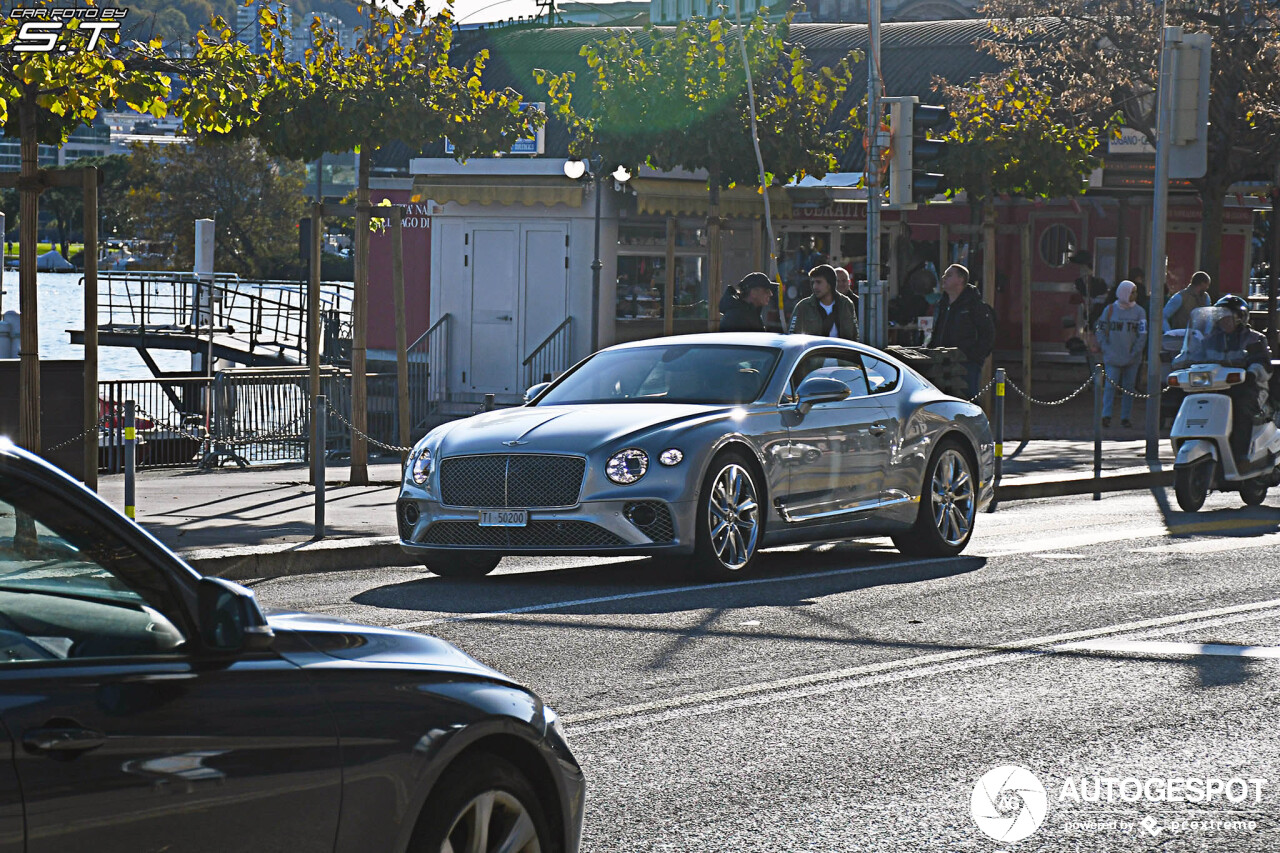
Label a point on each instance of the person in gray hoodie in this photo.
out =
(1122, 334)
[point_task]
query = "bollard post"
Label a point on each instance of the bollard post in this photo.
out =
(130, 459)
(997, 417)
(317, 461)
(1099, 384)
(488, 402)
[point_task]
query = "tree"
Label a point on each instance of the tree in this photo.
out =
(254, 199)
(44, 96)
(397, 83)
(1100, 58)
(677, 98)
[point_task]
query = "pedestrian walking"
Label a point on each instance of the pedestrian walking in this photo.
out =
(826, 312)
(740, 307)
(1138, 276)
(1091, 289)
(964, 321)
(1121, 333)
(844, 284)
(1177, 311)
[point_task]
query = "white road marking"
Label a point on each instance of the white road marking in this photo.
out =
(884, 672)
(1213, 546)
(1153, 647)
(1031, 545)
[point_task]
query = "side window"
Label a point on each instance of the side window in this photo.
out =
(882, 377)
(843, 365)
(69, 589)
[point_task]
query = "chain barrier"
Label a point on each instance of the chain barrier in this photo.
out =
(368, 437)
(1123, 390)
(93, 430)
(984, 390)
(1076, 393)
(286, 431)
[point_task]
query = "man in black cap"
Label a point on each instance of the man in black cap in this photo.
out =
(740, 308)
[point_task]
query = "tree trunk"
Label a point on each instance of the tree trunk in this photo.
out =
(29, 351)
(359, 322)
(988, 271)
(713, 248)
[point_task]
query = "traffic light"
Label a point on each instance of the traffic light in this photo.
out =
(914, 151)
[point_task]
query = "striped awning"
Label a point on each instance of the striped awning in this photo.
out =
(528, 190)
(666, 197)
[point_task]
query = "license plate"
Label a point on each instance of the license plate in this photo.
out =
(504, 517)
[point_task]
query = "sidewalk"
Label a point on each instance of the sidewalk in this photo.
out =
(259, 522)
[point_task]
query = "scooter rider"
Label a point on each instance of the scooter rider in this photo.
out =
(1234, 344)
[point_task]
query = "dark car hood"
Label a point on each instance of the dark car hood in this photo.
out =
(561, 428)
(354, 642)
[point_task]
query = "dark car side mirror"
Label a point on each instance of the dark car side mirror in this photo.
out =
(230, 619)
(819, 389)
(535, 390)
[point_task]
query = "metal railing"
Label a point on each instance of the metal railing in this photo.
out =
(551, 357)
(259, 314)
(428, 373)
(171, 421)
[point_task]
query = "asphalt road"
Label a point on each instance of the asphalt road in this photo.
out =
(1123, 654)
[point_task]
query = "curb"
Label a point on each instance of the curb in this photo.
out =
(1084, 485)
(277, 561)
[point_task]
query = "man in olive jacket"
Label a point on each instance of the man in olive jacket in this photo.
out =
(964, 321)
(827, 313)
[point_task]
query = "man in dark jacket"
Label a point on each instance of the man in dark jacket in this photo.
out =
(740, 308)
(827, 312)
(962, 320)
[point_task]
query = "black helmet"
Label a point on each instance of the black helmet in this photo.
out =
(1237, 306)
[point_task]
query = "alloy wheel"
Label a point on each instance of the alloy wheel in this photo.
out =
(733, 516)
(492, 821)
(953, 497)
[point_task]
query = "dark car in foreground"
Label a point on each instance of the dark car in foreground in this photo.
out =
(147, 708)
(704, 446)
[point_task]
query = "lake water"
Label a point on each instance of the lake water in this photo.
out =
(61, 299)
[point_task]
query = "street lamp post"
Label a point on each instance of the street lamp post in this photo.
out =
(593, 169)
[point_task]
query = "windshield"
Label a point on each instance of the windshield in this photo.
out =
(1210, 336)
(676, 373)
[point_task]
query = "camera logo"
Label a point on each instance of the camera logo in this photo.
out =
(1009, 803)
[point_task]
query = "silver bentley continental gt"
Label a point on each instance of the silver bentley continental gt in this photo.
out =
(709, 447)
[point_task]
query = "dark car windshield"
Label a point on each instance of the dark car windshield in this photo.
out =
(675, 373)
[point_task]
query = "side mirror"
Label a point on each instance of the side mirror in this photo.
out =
(230, 619)
(819, 389)
(535, 390)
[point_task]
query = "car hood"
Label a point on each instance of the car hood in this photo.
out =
(364, 643)
(561, 428)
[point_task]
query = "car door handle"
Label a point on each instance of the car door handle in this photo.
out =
(876, 429)
(62, 740)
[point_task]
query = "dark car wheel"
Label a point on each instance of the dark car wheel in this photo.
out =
(462, 564)
(948, 506)
(729, 519)
(483, 805)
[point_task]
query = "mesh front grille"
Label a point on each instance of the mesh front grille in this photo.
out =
(538, 534)
(512, 480)
(661, 529)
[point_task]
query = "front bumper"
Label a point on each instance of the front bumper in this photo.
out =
(639, 524)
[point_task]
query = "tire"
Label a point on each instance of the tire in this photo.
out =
(484, 782)
(1253, 492)
(948, 505)
(462, 564)
(730, 520)
(1191, 484)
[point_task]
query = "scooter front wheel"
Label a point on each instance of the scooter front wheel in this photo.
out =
(1191, 484)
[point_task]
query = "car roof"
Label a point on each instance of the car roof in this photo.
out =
(754, 339)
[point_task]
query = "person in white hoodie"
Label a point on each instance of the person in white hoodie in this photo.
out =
(1122, 334)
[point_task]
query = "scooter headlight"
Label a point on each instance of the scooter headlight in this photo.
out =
(1200, 379)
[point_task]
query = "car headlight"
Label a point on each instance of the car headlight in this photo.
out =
(627, 466)
(420, 466)
(671, 456)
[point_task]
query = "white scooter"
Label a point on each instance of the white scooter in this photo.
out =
(1202, 430)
